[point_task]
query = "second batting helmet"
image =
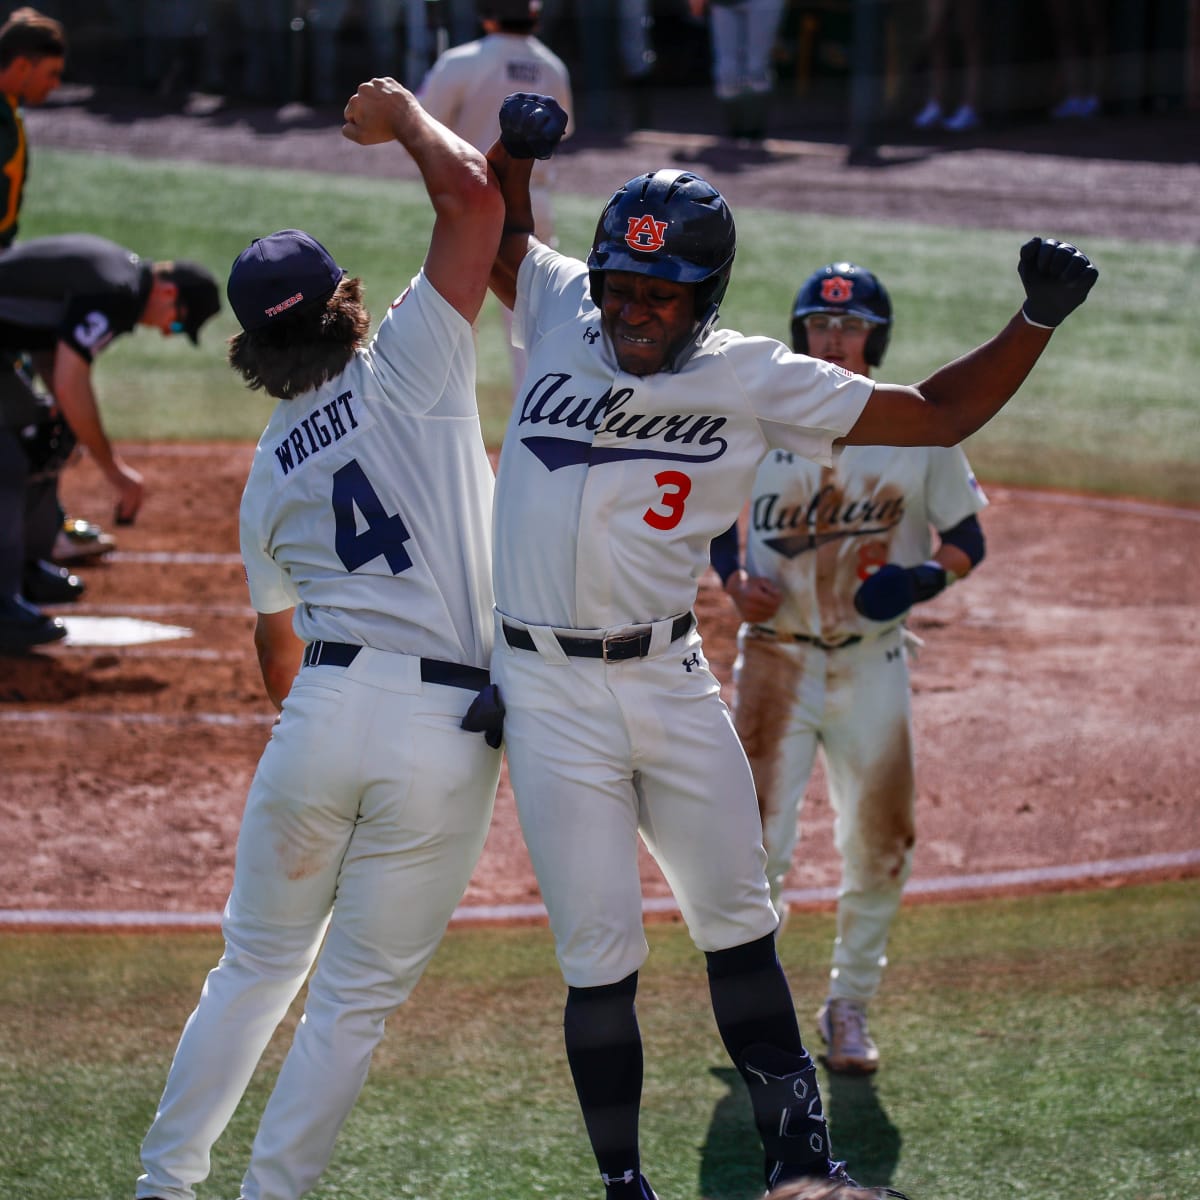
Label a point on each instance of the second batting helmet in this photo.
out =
(844, 288)
(672, 225)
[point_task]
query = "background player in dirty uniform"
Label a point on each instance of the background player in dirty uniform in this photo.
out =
(63, 301)
(365, 528)
(634, 442)
(465, 87)
(835, 558)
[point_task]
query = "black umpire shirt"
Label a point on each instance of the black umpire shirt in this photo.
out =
(76, 288)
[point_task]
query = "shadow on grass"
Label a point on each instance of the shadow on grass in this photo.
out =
(864, 1135)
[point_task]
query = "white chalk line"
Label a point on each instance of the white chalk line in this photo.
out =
(159, 610)
(189, 558)
(657, 905)
(44, 716)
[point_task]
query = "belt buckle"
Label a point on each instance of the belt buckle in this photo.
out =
(618, 640)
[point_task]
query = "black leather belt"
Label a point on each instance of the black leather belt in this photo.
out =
(433, 670)
(767, 631)
(616, 647)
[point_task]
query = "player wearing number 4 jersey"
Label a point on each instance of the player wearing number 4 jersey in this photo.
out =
(365, 529)
(633, 442)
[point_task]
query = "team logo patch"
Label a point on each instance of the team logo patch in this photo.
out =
(836, 290)
(645, 233)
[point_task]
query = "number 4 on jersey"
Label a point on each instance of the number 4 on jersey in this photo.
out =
(385, 534)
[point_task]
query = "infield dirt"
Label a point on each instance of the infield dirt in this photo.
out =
(1055, 698)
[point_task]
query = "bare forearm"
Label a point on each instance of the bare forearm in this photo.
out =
(512, 175)
(383, 110)
(279, 652)
(957, 399)
(974, 388)
(77, 402)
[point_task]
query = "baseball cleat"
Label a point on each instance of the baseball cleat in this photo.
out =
(80, 541)
(843, 1027)
(45, 583)
(838, 1175)
(23, 626)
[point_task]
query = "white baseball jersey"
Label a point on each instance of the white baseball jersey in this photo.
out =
(611, 486)
(368, 505)
(466, 86)
(819, 532)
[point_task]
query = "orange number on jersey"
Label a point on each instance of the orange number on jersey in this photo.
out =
(871, 556)
(675, 486)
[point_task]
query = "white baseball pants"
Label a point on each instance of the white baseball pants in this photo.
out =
(367, 814)
(599, 753)
(855, 703)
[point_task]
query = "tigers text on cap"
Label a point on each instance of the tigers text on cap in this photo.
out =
(279, 276)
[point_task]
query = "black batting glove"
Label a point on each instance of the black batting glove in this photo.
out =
(1057, 278)
(892, 590)
(531, 126)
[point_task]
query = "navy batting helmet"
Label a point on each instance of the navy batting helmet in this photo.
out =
(843, 288)
(670, 224)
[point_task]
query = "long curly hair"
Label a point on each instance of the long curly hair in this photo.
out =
(298, 354)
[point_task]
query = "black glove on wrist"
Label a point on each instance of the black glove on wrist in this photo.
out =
(531, 126)
(893, 590)
(1057, 278)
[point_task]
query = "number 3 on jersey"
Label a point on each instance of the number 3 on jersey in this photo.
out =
(675, 488)
(384, 534)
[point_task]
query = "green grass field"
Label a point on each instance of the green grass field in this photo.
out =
(1109, 408)
(1039, 1047)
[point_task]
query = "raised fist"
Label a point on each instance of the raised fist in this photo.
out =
(1057, 278)
(531, 126)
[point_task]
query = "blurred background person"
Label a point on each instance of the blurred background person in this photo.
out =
(1081, 37)
(743, 36)
(953, 26)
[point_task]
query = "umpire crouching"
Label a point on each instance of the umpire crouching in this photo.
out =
(62, 301)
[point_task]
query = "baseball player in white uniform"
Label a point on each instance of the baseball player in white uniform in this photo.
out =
(365, 528)
(633, 442)
(465, 87)
(835, 558)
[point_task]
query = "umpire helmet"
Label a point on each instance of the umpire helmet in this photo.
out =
(673, 225)
(843, 288)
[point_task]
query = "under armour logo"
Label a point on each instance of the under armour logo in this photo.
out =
(892, 655)
(693, 661)
(590, 335)
(645, 233)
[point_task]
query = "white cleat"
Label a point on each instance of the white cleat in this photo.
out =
(843, 1026)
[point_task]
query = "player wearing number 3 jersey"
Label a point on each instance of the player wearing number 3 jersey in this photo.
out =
(633, 441)
(365, 530)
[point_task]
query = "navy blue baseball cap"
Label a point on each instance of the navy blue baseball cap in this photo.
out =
(278, 276)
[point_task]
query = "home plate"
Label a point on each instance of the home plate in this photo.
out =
(118, 631)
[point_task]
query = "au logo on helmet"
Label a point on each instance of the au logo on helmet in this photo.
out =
(836, 290)
(645, 233)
